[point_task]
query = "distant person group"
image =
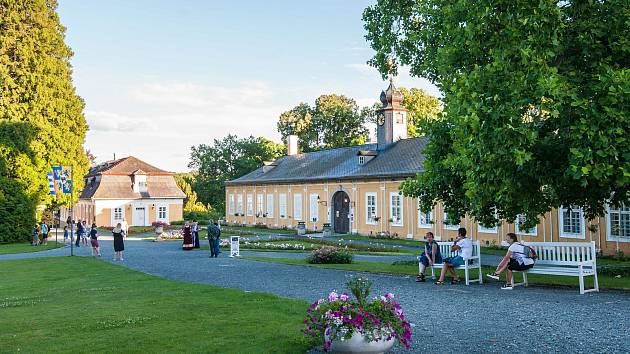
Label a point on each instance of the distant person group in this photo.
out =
(191, 237)
(518, 257)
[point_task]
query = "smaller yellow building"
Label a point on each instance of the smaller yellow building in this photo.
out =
(356, 190)
(129, 190)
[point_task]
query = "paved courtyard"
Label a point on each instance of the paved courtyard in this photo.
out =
(445, 319)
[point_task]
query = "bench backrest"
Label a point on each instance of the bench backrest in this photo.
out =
(445, 249)
(563, 253)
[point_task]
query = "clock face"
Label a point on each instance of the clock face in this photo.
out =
(380, 119)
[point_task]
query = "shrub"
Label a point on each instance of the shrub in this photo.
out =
(202, 215)
(177, 222)
(17, 211)
(329, 255)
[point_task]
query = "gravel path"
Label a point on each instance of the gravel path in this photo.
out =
(474, 319)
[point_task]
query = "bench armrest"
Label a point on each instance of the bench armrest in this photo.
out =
(588, 263)
(473, 257)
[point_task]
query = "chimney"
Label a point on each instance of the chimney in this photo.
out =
(292, 145)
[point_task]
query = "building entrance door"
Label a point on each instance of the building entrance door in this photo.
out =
(139, 216)
(341, 210)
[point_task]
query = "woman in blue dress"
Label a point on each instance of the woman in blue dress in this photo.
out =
(430, 256)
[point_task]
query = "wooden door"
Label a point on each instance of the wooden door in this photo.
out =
(341, 209)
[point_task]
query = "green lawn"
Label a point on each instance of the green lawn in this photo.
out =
(253, 229)
(411, 268)
(46, 306)
(26, 247)
(387, 241)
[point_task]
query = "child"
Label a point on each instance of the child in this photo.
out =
(96, 250)
(35, 235)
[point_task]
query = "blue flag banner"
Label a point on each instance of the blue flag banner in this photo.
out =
(51, 183)
(56, 170)
(66, 172)
(67, 186)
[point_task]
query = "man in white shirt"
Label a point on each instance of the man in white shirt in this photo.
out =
(514, 260)
(125, 227)
(463, 248)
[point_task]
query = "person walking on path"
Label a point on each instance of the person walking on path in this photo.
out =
(463, 247)
(195, 232)
(35, 236)
(44, 230)
(119, 243)
(79, 233)
(214, 234)
(515, 259)
(96, 249)
(66, 234)
(430, 256)
(84, 235)
(125, 227)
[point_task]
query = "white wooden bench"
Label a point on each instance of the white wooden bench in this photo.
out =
(469, 263)
(576, 259)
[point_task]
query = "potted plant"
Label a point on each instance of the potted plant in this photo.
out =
(376, 218)
(355, 326)
(159, 226)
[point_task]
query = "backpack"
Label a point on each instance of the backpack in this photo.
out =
(529, 252)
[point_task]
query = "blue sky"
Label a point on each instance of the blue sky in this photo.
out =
(161, 76)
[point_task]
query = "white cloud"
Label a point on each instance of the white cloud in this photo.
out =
(363, 69)
(108, 121)
(194, 95)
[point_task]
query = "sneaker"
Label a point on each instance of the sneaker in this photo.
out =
(507, 287)
(494, 276)
(420, 278)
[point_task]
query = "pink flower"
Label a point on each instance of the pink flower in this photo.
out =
(344, 297)
(389, 295)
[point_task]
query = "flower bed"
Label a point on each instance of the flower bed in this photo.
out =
(329, 255)
(338, 318)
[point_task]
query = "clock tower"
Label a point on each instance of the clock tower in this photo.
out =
(391, 119)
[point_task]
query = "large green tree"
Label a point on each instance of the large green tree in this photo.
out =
(184, 182)
(41, 116)
(226, 159)
(318, 127)
(536, 100)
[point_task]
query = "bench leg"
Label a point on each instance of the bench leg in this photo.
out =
(433, 273)
(595, 278)
(525, 282)
(581, 280)
(466, 274)
(479, 268)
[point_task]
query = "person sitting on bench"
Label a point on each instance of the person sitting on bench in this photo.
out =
(430, 256)
(463, 247)
(514, 259)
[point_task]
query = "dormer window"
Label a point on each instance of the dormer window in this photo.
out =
(361, 160)
(140, 183)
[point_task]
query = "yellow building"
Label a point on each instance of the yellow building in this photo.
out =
(356, 190)
(129, 190)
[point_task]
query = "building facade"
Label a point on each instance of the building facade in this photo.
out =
(130, 190)
(356, 190)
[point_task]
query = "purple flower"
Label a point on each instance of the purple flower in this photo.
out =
(344, 297)
(333, 296)
(389, 295)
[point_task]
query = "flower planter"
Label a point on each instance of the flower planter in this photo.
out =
(358, 344)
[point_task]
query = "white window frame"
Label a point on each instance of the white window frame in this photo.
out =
(231, 205)
(361, 160)
(422, 222)
(157, 212)
(609, 212)
(250, 204)
(313, 208)
(282, 205)
(117, 210)
(561, 223)
(260, 205)
(239, 204)
(488, 230)
(297, 206)
(270, 205)
(400, 220)
(524, 232)
(371, 209)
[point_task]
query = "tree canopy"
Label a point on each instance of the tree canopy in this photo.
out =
(318, 127)
(226, 159)
(41, 116)
(536, 101)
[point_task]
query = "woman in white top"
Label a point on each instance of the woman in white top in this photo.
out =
(515, 259)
